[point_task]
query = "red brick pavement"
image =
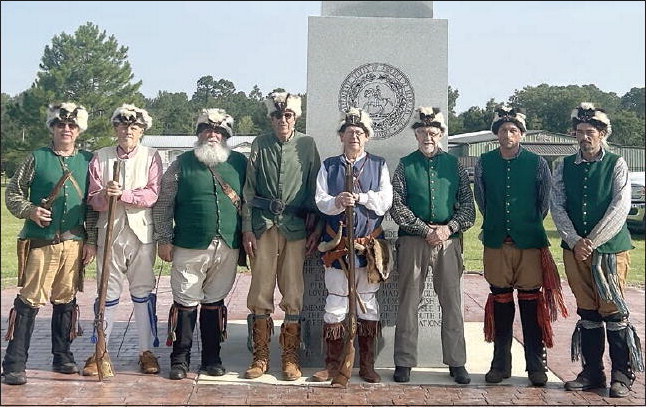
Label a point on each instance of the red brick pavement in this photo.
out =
(131, 388)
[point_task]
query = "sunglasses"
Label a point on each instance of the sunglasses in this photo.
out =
(287, 115)
(62, 125)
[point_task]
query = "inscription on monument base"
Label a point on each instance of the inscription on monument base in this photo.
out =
(429, 339)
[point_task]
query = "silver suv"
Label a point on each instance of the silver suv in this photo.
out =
(637, 216)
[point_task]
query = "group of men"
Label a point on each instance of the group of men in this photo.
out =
(282, 204)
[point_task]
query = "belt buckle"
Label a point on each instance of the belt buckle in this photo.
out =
(276, 206)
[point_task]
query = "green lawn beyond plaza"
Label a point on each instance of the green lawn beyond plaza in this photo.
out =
(472, 250)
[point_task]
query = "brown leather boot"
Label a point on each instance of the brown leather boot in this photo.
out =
(367, 333)
(333, 334)
(261, 331)
(289, 339)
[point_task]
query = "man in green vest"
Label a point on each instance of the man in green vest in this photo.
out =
(52, 239)
(512, 192)
(590, 200)
(433, 205)
(201, 193)
(279, 195)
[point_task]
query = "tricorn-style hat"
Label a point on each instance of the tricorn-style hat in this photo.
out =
(215, 118)
(356, 117)
(281, 101)
(587, 113)
(505, 114)
(131, 114)
(428, 116)
(67, 112)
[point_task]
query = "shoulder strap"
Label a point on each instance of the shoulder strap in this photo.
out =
(227, 189)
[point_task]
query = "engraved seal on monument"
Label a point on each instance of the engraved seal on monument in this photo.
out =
(384, 92)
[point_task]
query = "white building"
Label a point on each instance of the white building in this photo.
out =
(171, 146)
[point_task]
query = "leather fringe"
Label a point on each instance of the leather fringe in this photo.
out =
(576, 342)
(11, 324)
(76, 321)
(171, 326)
(222, 319)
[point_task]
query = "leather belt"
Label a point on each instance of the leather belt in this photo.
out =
(276, 206)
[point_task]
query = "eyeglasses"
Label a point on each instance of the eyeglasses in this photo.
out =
(351, 132)
(286, 115)
(62, 125)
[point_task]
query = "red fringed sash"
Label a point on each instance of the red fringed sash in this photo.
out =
(489, 313)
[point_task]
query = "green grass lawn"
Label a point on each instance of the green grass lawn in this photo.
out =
(472, 250)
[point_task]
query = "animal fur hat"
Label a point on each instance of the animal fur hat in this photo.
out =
(67, 112)
(507, 114)
(131, 114)
(428, 116)
(587, 113)
(356, 117)
(281, 101)
(215, 118)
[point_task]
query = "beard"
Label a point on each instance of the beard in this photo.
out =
(211, 154)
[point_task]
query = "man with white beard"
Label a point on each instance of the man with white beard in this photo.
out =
(201, 192)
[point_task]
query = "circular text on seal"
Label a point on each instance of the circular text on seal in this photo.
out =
(384, 92)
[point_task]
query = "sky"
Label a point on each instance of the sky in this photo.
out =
(494, 48)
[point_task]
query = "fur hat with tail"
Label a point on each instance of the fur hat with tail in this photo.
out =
(67, 112)
(428, 116)
(282, 101)
(131, 114)
(587, 113)
(356, 117)
(505, 114)
(215, 118)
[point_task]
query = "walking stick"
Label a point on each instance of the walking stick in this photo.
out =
(104, 365)
(346, 366)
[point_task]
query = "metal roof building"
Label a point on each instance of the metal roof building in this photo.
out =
(469, 146)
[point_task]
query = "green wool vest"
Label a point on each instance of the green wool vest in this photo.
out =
(588, 191)
(202, 210)
(69, 209)
(511, 201)
(432, 187)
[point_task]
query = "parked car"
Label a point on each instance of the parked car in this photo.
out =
(637, 216)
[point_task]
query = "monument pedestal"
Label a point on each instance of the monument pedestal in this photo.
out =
(386, 58)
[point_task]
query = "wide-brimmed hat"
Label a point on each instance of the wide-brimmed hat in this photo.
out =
(505, 114)
(131, 114)
(215, 118)
(587, 113)
(282, 101)
(67, 112)
(426, 116)
(356, 117)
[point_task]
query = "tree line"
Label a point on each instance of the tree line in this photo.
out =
(92, 69)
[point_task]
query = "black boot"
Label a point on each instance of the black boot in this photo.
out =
(534, 350)
(589, 336)
(504, 314)
(622, 371)
(185, 322)
(213, 318)
(63, 332)
(19, 332)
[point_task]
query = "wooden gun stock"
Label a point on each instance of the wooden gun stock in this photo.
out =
(104, 365)
(48, 201)
(346, 367)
